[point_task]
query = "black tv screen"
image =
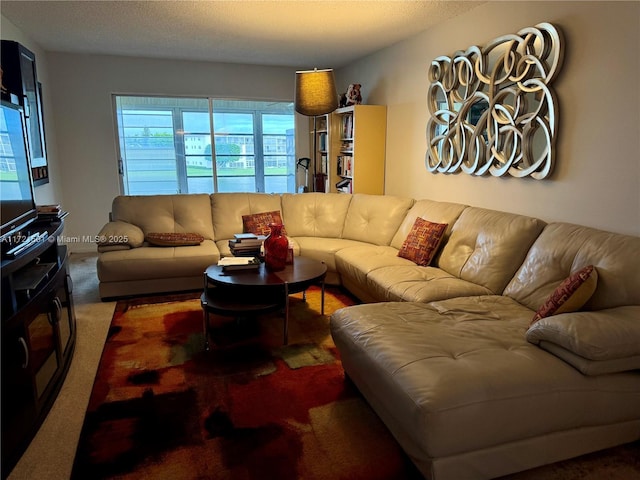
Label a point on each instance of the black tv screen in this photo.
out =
(17, 202)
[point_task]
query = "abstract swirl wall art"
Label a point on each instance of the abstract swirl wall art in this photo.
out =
(493, 111)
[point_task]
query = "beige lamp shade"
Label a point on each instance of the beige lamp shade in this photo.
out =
(315, 92)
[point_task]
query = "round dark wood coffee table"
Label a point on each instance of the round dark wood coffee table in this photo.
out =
(257, 291)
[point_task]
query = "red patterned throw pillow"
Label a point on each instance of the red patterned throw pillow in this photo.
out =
(570, 295)
(258, 223)
(174, 239)
(423, 241)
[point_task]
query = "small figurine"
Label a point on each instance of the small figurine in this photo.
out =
(353, 94)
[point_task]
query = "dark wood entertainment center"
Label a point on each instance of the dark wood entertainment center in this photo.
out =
(38, 336)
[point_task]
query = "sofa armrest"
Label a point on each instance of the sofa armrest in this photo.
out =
(120, 233)
(603, 341)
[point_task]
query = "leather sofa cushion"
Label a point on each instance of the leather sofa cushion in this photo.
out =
(592, 367)
(227, 210)
(375, 218)
(354, 264)
(487, 247)
(324, 249)
(458, 375)
(594, 342)
(149, 263)
(413, 283)
(383, 276)
(315, 214)
(562, 248)
(166, 213)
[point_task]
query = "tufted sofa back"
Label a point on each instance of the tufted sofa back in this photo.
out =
(315, 214)
(563, 248)
(227, 210)
(375, 218)
(486, 247)
(189, 213)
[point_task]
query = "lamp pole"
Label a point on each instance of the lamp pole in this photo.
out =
(315, 153)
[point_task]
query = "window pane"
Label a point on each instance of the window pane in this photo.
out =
(197, 149)
(235, 162)
(233, 123)
(277, 124)
(196, 122)
(148, 151)
(278, 147)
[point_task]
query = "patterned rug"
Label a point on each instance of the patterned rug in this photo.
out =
(250, 408)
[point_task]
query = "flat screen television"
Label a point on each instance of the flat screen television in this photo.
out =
(17, 201)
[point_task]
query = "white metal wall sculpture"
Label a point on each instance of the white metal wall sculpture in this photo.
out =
(492, 109)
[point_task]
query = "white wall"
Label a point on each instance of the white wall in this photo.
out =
(50, 192)
(597, 176)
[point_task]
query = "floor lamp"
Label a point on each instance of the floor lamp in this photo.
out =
(315, 95)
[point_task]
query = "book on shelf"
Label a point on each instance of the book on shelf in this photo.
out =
(345, 165)
(323, 164)
(322, 142)
(347, 126)
(344, 186)
(346, 147)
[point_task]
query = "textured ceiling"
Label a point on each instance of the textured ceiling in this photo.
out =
(296, 33)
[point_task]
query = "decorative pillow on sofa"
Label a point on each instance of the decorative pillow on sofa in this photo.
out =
(258, 223)
(174, 239)
(570, 295)
(423, 241)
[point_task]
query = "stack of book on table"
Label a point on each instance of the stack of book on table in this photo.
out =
(239, 263)
(246, 244)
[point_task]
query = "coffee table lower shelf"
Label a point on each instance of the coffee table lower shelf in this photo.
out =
(230, 307)
(217, 303)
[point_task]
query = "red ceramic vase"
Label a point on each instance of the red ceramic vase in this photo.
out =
(276, 246)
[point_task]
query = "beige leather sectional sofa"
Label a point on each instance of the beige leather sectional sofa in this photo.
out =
(444, 354)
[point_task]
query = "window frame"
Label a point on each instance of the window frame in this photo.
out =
(179, 143)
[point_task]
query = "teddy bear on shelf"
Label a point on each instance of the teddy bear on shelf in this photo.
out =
(352, 97)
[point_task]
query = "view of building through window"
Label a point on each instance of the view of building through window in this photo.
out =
(165, 145)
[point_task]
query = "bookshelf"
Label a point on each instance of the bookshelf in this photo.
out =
(321, 154)
(357, 149)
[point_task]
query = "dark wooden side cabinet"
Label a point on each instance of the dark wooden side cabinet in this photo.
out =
(38, 338)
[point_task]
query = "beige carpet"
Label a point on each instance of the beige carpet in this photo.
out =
(50, 455)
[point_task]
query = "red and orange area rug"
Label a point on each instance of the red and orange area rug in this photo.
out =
(250, 408)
